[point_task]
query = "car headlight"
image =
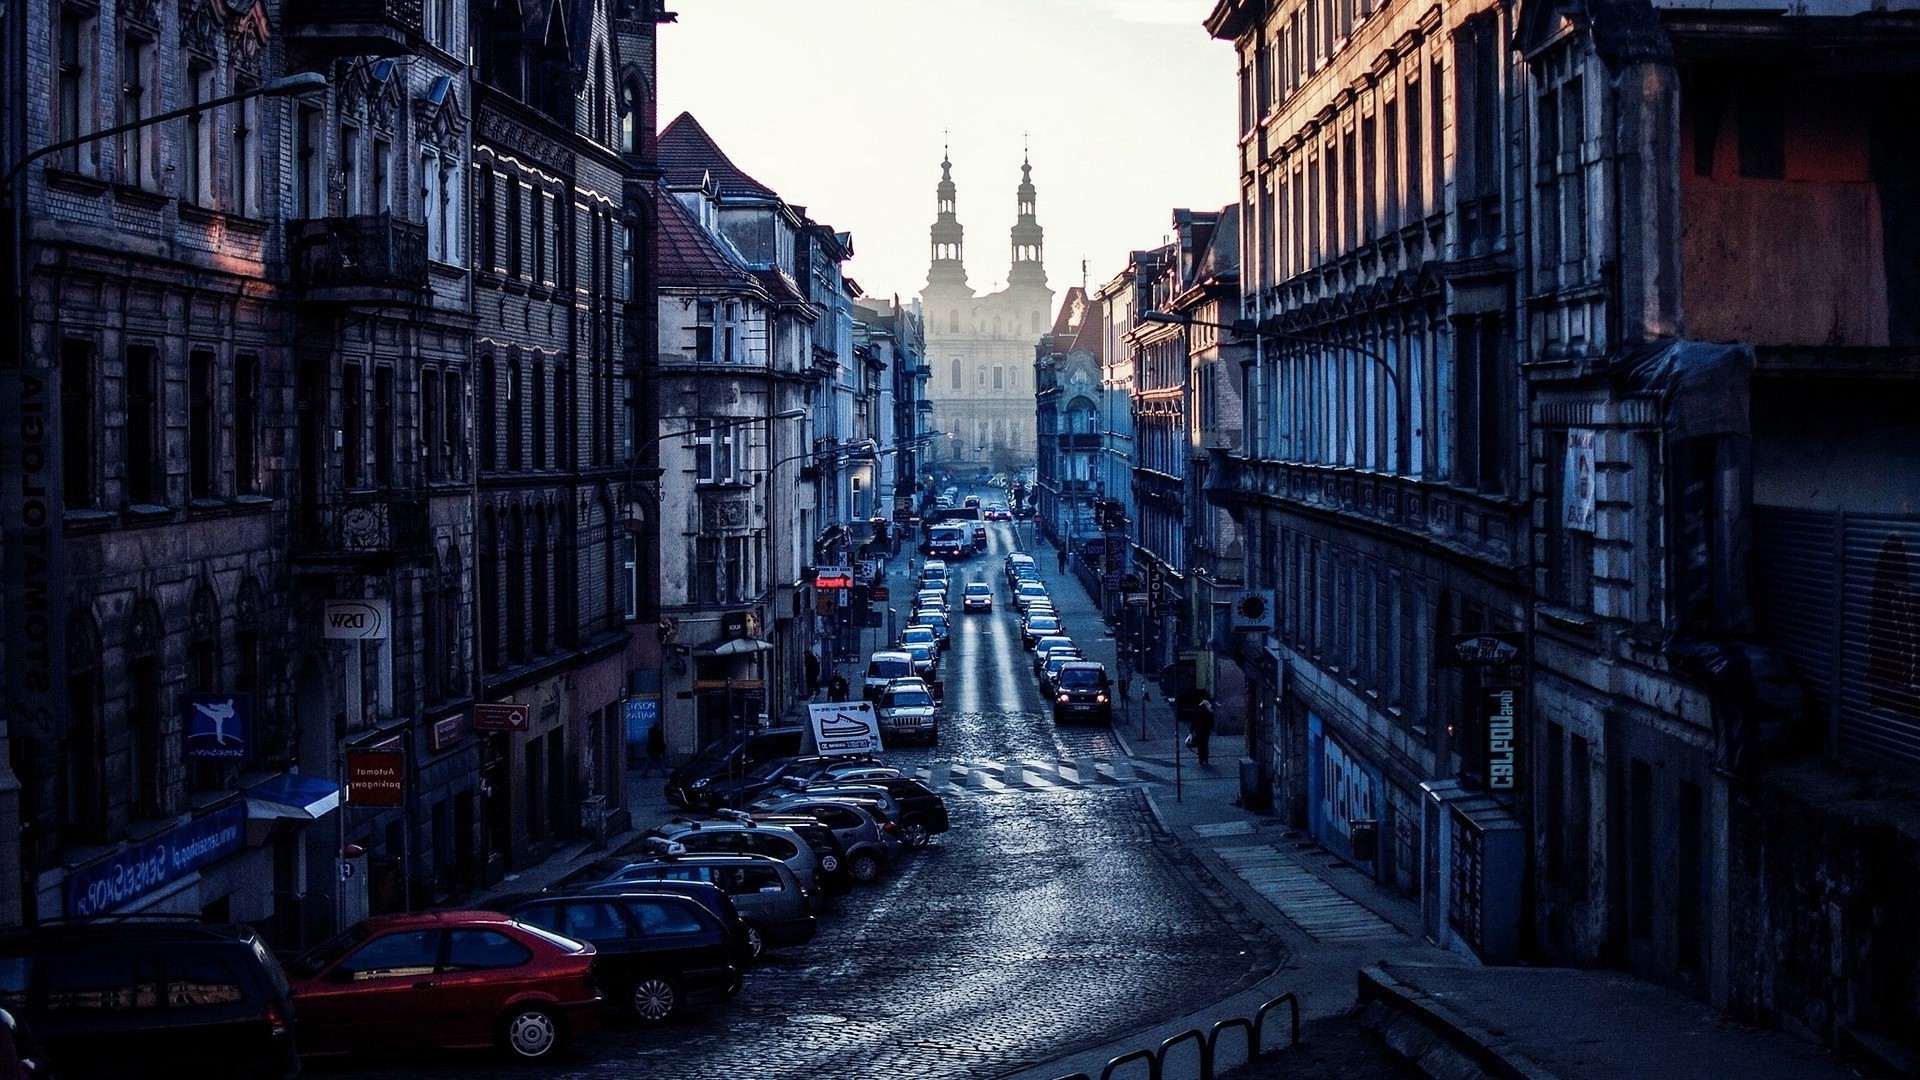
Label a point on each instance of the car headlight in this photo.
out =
(1062, 699)
(1099, 699)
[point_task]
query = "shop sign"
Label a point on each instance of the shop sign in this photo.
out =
(447, 730)
(375, 777)
(845, 729)
(144, 869)
(500, 716)
(1487, 650)
(833, 577)
(355, 620)
(216, 725)
(1502, 737)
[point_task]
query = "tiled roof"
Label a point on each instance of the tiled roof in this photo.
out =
(688, 154)
(689, 257)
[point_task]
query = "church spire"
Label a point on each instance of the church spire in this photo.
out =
(1028, 269)
(948, 269)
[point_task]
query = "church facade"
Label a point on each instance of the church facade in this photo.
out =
(980, 346)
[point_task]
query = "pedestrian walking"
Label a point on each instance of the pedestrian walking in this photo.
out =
(1200, 723)
(656, 749)
(1060, 560)
(837, 687)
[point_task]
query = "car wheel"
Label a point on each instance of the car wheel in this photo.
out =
(654, 999)
(530, 1034)
(756, 941)
(864, 868)
(914, 834)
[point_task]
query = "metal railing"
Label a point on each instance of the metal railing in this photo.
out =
(1208, 1042)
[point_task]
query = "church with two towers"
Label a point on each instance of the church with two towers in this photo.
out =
(980, 346)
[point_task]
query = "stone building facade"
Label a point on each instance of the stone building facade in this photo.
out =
(1067, 419)
(979, 345)
(1644, 279)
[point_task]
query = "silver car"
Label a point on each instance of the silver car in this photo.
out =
(742, 836)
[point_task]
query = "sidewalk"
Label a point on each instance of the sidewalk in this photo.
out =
(1352, 943)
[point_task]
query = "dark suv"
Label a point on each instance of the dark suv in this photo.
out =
(160, 998)
(923, 813)
(1081, 692)
(695, 782)
(656, 950)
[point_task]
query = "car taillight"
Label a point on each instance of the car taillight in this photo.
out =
(276, 1023)
(889, 827)
(591, 978)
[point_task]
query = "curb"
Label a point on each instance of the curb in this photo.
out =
(1462, 1035)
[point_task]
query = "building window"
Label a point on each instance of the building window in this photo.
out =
(137, 89)
(999, 377)
(309, 179)
(144, 721)
(515, 235)
(488, 407)
(515, 451)
(203, 441)
(485, 228)
(246, 424)
(243, 172)
(145, 476)
(430, 432)
(382, 176)
(76, 423)
(384, 433)
(430, 207)
(713, 452)
(956, 373)
(453, 445)
(74, 86)
(707, 587)
(353, 425)
(703, 330)
(539, 273)
(198, 186)
(447, 176)
(629, 576)
(539, 415)
(1483, 435)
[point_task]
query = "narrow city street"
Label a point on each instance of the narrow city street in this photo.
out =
(1053, 916)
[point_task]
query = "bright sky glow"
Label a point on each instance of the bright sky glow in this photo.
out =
(842, 106)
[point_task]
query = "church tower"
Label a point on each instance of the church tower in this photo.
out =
(1028, 270)
(948, 271)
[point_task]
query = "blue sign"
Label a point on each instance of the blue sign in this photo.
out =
(144, 869)
(216, 725)
(642, 714)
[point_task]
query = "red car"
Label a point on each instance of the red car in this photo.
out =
(445, 979)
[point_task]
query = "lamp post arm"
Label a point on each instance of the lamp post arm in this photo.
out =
(291, 84)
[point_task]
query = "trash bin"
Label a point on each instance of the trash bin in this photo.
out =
(1255, 794)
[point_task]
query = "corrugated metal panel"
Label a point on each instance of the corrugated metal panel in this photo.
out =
(1796, 567)
(1880, 637)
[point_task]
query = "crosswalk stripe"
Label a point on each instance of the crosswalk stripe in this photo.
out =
(1311, 904)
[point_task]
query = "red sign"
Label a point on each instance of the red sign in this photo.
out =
(500, 716)
(374, 777)
(446, 731)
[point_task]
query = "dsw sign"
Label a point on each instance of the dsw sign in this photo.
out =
(355, 620)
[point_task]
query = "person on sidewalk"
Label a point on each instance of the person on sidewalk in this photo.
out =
(1060, 560)
(1200, 723)
(656, 750)
(837, 687)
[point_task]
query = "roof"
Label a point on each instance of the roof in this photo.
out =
(689, 156)
(689, 256)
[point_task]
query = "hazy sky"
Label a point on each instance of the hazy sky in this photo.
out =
(842, 107)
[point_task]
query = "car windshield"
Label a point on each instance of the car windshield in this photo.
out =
(1051, 643)
(979, 590)
(1032, 588)
(1043, 622)
(1082, 678)
(910, 699)
(917, 634)
(891, 668)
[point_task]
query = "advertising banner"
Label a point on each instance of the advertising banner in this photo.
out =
(375, 777)
(845, 728)
(217, 725)
(1498, 711)
(355, 620)
(145, 869)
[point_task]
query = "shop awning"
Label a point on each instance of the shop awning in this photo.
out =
(292, 796)
(734, 647)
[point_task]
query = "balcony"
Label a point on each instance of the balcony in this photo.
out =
(1225, 477)
(356, 27)
(368, 528)
(369, 259)
(1077, 440)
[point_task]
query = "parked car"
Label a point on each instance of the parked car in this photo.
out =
(980, 538)
(131, 998)
(1024, 593)
(925, 656)
(656, 951)
(976, 596)
(930, 598)
(998, 513)
(1043, 644)
(737, 833)
(922, 813)
(1056, 659)
(730, 758)
(1038, 624)
(866, 845)
(920, 634)
(1017, 558)
(936, 618)
(774, 903)
(1081, 692)
(906, 712)
(934, 572)
(883, 668)
(735, 791)
(20, 1055)
(776, 797)
(445, 980)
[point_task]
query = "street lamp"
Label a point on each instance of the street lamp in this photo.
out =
(1243, 326)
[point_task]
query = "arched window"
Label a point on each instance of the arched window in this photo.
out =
(953, 321)
(541, 550)
(517, 556)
